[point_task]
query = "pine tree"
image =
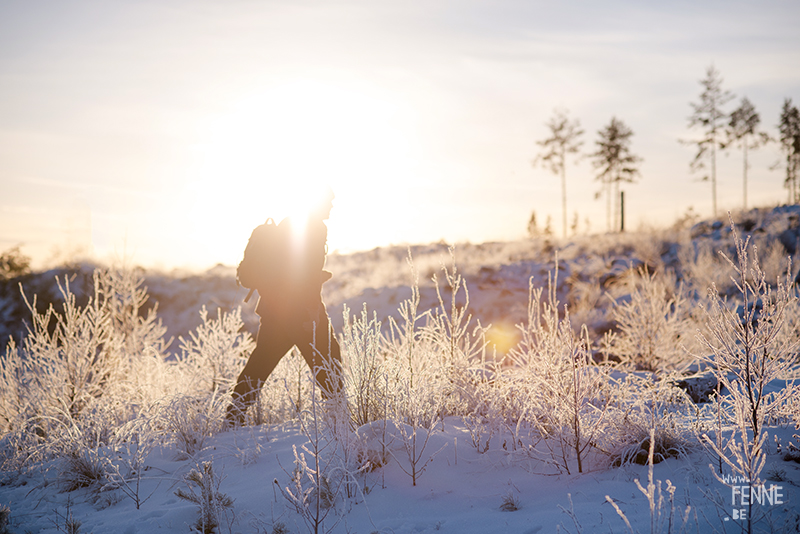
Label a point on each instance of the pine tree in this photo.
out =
(563, 140)
(710, 117)
(789, 128)
(615, 162)
(742, 130)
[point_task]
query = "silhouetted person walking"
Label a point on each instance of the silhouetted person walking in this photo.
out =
(284, 263)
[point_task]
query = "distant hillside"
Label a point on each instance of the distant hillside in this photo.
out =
(590, 272)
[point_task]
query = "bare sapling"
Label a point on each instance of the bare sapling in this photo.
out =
(459, 347)
(363, 367)
(203, 490)
(663, 514)
(747, 355)
(314, 486)
(403, 341)
(569, 404)
(414, 423)
(132, 445)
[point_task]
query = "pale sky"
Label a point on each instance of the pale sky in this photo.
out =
(161, 132)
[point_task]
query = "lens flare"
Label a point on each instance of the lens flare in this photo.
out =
(503, 337)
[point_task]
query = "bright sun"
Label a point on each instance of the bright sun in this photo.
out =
(264, 154)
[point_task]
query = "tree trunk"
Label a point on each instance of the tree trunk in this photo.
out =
(744, 170)
(714, 173)
(564, 195)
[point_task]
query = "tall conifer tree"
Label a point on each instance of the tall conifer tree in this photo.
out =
(709, 116)
(563, 140)
(743, 130)
(789, 128)
(615, 162)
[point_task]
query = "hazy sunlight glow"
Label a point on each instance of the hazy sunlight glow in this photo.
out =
(264, 155)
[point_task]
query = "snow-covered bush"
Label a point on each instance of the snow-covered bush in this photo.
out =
(647, 414)
(82, 360)
(458, 348)
(190, 419)
(79, 361)
(215, 353)
(84, 372)
(363, 368)
(653, 324)
(566, 396)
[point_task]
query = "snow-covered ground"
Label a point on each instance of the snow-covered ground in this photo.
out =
(462, 491)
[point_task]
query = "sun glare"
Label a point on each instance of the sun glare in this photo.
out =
(267, 153)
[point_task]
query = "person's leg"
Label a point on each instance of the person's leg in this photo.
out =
(317, 342)
(272, 343)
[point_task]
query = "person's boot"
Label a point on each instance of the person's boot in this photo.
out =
(234, 416)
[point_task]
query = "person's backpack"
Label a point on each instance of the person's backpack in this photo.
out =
(264, 258)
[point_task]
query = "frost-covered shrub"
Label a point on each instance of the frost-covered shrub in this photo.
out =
(81, 469)
(215, 352)
(457, 347)
(744, 338)
(286, 393)
(409, 365)
(83, 371)
(653, 323)
(433, 358)
(79, 361)
(702, 268)
(203, 490)
(189, 420)
(416, 382)
(566, 396)
(124, 299)
(364, 369)
(12, 388)
(644, 411)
